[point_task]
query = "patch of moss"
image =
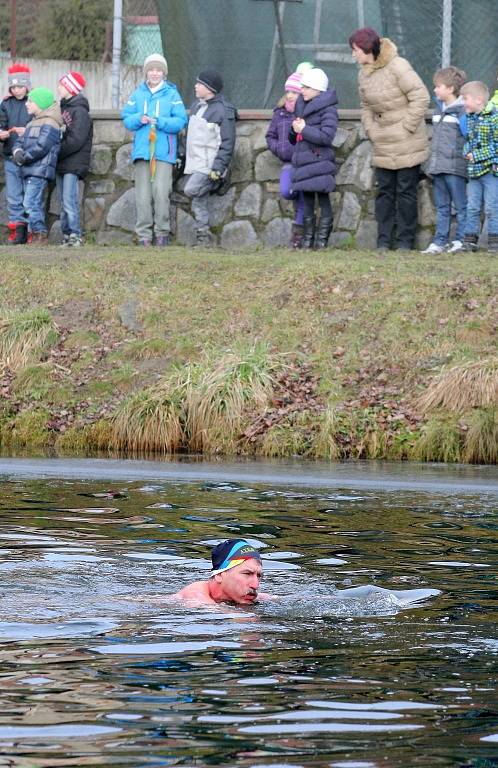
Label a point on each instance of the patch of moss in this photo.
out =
(32, 382)
(79, 339)
(146, 350)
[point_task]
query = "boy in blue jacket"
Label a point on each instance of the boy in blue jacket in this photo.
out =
(156, 115)
(37, 153)
(13, 119)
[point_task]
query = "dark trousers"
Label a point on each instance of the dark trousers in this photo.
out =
(396, 206)
(323, 202)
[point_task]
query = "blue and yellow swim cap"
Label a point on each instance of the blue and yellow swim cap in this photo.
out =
(230, 553)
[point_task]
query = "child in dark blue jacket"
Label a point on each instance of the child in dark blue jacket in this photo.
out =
(313, 161)
(13, 119)
(37, 154)
(74, 156)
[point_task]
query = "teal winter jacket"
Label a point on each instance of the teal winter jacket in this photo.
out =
(167, 106)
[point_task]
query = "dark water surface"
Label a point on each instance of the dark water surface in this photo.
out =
(96, 670)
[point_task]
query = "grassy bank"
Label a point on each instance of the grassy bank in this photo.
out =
(334, 355)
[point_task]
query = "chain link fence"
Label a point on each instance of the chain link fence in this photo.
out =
(255, 44)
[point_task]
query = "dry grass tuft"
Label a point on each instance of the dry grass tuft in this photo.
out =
(201, 407)
(328, 443)
(439, 441)
(219, 398)
(481, 439)
(148, 422)
(24, 336)
(471, 385)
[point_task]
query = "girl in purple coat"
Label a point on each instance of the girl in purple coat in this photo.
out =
(313, 162)
(277, 139)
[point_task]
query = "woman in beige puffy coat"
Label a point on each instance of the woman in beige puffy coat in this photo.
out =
(394, 100)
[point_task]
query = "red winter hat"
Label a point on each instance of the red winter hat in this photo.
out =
(19, 74)
(74, 82)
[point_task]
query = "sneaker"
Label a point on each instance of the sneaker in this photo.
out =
(162, 241)
(470, 243)
(203, 238)
(456, 246)
(65, 241)
(144, 243)
(74, 241)
(434, 248)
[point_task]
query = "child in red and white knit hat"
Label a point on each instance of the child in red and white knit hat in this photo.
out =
(13, 119)
(73, 82)
(74, 155)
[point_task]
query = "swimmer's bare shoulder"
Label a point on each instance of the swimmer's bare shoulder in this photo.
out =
(199, 593)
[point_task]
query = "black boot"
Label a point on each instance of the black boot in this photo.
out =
(470, 243)
(308, 232)
(323, 232)
(493, 243)
(20, 233)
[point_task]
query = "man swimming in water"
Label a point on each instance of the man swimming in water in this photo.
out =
(237, 572)
(235, 576)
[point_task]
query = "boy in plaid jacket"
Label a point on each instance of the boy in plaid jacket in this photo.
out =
(481, 151)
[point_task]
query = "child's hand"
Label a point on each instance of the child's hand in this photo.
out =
(18, 156)
(20, 131)
(470, 157)
(298, 125)
(4, 135)
(146, 119)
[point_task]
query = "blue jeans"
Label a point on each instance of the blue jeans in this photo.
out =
(69, 195)
(34, 203)
(448, 189)
(482, 192)
(14, 183)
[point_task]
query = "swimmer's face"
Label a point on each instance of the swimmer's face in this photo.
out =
(240, 584)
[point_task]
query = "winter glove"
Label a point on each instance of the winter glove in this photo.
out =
(18, 156)
(214, 176)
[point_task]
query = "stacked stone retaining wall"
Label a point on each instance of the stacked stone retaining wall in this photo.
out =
(251, 213)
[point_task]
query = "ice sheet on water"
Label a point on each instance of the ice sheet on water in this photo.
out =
(15, 631)
(42, 732)
(153, 649)
(367, 600)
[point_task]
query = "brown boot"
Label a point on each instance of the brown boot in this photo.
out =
(39, 238)
(297, 236)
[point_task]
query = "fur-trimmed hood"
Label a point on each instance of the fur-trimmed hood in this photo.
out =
(388, 51)
(394, 100)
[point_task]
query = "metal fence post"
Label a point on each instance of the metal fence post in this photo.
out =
(117, 28)
(446, 37)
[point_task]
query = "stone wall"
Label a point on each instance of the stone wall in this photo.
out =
(252, 213)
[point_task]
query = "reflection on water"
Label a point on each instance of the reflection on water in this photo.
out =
(383, 653)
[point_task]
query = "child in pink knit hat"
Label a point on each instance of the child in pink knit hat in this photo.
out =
(277, 139)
